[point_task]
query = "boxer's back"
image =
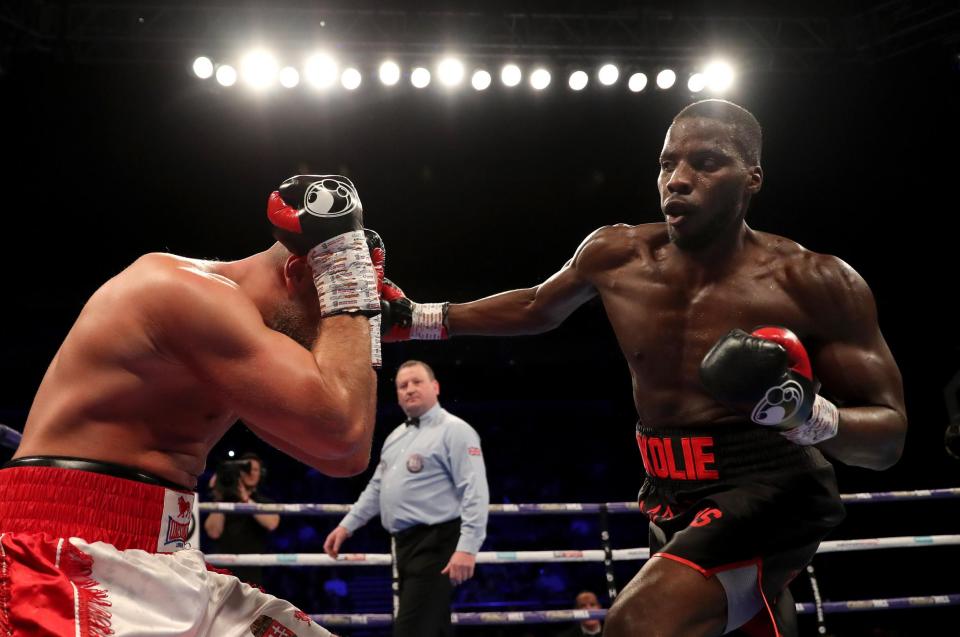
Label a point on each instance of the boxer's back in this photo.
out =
(114, 393)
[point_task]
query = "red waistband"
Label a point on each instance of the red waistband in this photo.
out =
(95, 507)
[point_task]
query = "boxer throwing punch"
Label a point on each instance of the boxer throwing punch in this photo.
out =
(728, 333)
(163, 359)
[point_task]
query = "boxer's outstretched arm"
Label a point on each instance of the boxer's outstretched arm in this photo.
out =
(541, 308)
(528, 311)
(855, 366)
(315, 403)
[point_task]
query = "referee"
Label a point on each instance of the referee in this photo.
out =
(430, 490)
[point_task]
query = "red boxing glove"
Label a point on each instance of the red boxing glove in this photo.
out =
(797, 357)
(404, 320)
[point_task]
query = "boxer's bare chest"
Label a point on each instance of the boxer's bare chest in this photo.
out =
(666, 315)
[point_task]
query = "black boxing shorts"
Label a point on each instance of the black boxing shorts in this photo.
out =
(740, 503)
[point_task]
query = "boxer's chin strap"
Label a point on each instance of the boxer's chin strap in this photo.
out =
(428, 322)
(823, 423)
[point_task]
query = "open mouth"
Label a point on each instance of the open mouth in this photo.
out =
(676, 207)
(676, 211)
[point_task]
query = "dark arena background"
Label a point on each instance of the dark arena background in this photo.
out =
(115, 147)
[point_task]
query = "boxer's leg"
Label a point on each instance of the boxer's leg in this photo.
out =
(668, 599)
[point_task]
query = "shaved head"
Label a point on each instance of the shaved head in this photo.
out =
(747, 135)
(295, 312)
(278, 254)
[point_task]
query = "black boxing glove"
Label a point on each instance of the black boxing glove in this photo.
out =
(320, 216)
(404, 320)
(767, 374)
(310, 209)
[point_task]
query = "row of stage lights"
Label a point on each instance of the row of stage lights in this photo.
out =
(260, 71)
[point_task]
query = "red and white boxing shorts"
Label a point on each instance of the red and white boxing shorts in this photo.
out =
(83, 554)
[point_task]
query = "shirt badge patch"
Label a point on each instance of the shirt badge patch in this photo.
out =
(415, 463)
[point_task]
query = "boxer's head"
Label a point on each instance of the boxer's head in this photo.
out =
(296, 311)
(709, 170)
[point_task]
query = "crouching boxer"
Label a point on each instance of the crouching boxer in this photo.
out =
(95, 506)
(738, 489)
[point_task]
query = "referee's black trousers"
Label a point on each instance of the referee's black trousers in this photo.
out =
(422, 552)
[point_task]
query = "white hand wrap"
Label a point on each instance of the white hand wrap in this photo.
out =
(376, 358)
(822, 424)
(426, 322)
(344, 275)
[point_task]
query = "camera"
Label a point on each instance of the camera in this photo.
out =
(228, 477)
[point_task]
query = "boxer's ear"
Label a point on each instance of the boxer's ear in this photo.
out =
(297, 272)
(754, 179)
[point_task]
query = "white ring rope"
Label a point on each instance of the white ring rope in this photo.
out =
(568, 508)
(557, 616)
(519, 557)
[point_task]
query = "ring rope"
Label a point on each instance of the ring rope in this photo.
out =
(569, 508)
(557, 616)
(9, 437)
(519, 557)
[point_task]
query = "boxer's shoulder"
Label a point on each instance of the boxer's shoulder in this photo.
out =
(817, 273)
(176, 291)
(171, 275)
(612, 246)
(823, 284)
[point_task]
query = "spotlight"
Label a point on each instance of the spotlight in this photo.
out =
(389, 73)
(258, 69)
(351, 79)
(666, 78)
(609, 74)
(510, 75)
(203, 67)
(289, 77)
(578, 80)
(540, 79)
(719, 76)
(226, 75)
(696, 83)
(450, 71)
(481, 80)
(321, 70)
(637, 82)
(420, 77)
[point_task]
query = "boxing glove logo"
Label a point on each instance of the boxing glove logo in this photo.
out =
(779, 404)
(330, 197)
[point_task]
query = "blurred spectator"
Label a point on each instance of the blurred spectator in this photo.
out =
(238, 481)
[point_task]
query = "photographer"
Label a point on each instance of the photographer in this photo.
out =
(237, 481)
